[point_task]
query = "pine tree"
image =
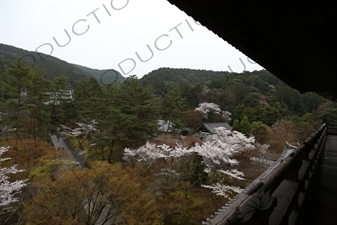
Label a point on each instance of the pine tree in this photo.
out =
(245, 126)
(37, 97)
(236, 125)
(173, 107)
(59, 104)
(126, 116)
(15, 81)
(142, 108)
(85, 95)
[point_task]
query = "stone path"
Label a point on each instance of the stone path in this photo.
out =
(59, 143)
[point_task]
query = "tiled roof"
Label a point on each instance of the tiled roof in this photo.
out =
(211, 126)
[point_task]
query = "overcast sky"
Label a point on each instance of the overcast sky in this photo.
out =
(117, 34)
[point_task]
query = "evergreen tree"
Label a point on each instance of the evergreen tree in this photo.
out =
(238, 112)
(59, 103)
(236, 125)
(25, 100)
(37, 97)
(173, 107)
(141, 105)
(126, 116)
(15, 81)
(245, 126)
(86, 93)
(260, 131)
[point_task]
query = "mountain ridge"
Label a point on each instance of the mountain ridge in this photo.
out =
(53, 66)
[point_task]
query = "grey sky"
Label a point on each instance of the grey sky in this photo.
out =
(110, 33)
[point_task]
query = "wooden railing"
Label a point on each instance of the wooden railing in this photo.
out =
(332, 128)
(277, 198)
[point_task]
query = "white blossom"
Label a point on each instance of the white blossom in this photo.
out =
(217, 155)
(8, 189)
(222, 189)
(152, 151)
(233, 174)
(221, 150)
(205, 107)
(86, 127)
(226, 115)
(83, 129)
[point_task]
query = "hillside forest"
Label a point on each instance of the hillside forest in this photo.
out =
(136, 173)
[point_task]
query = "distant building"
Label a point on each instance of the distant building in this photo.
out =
(165, 126)
(207, 130)
(54, 96)
(57, 95)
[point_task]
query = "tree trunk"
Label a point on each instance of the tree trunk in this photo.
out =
(34, 127)
(111, 152)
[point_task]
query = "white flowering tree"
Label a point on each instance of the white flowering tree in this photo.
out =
(206, 107)
(219, 152)
(8, 189)
(217, 157)
(167, 175)
(149, 153)
(227, 115)
(82, 129)
(82, 133)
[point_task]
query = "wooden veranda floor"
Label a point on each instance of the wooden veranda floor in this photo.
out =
(320, 206)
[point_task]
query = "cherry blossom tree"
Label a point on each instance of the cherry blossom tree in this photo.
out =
(82, 133)
(217, 156)
(82, 129)
(223, 189)
(8, 189)
(219, 152)
(205, 107)
(169, 173)
(149, 153)
(227, 115)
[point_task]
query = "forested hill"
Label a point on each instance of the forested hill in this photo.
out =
(103, 76)
(256, 88)
(161, 77)
(52, 66)
(229, 90)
